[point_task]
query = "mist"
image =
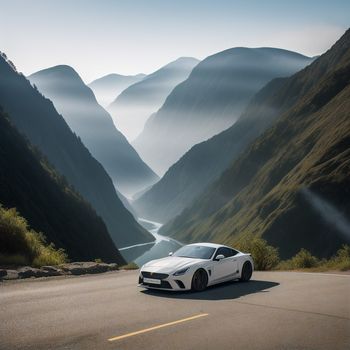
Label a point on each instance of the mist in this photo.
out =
(162, 144)
(211, 100)
(133, 106)
(333, 216)
(109, 87)
(77, 104)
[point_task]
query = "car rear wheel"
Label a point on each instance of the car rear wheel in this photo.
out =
(199, 280)
(247, 272)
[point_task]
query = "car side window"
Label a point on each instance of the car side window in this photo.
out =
(234, 252)
(226, 252)
(219, 252)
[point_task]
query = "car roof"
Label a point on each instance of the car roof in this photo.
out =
(212, 245)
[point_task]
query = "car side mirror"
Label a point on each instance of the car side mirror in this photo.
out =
(219, 257)
(171, 253)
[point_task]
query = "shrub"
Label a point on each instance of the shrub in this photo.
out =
(48, 255)
(303, 259)
(265, 256)
(20, 245)
(343, 253)
(130, 266)
(13, 234)
(341, 261)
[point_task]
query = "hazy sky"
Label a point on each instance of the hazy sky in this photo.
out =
(128, 37)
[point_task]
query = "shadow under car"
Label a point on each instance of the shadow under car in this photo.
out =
(223, 291)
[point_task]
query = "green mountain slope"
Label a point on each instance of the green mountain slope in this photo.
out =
(36, 117)
(28, 183)
(77, 104)
(291, 186)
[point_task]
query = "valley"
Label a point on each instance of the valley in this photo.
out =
(174, 175)
(250, 145)
(160, 247)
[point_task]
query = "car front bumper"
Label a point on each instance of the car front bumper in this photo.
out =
(170, 283)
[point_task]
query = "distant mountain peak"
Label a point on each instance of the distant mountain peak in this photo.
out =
(186, 59)
(78, 105)
(176, 63)
(114, 76)
(108, 87)
(131, 109)
(37, 118)
(210, 100)
(62, 70)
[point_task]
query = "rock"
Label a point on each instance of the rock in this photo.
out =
(51, 270)
(88, 267)
(113, 267)
(41, 273)
(27, 272)
(99, 268)
(75, 268)
(70, 268)
(11, 275)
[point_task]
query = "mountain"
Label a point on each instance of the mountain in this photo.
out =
(210, 100)
(204, 162)
(36, 118)
(133, 106)
(28, 183)
(108, 87)
(78, 106)
(291, 185)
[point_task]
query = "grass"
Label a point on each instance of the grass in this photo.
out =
(48, 255)
(305, 260)
(20, 245)
(266, 257)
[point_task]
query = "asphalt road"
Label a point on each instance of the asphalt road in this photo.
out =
(276, 310)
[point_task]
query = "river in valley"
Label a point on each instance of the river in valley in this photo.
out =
(159, 248)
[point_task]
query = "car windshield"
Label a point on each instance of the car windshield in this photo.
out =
(195, 252)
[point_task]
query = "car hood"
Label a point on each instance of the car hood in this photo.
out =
(170, 264)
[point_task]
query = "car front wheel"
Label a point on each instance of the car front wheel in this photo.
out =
(247, 272)
(199, 280)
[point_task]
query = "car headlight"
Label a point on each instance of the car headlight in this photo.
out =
(181, 272)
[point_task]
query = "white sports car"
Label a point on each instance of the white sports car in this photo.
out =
(196, 266)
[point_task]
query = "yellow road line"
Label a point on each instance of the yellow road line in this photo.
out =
(157, 327)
